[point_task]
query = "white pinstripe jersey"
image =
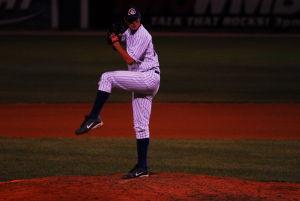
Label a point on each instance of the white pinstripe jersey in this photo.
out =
(139, 46)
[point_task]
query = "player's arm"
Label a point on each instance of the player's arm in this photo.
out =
(114, 40)
(125, 56)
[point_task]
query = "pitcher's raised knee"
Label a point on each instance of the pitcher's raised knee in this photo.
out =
(105, 82)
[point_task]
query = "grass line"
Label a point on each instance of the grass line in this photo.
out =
(263, 160)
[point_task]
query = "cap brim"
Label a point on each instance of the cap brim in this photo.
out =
(131, 19)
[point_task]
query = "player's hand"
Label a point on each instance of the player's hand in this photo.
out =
(112, 38)
(115, 32)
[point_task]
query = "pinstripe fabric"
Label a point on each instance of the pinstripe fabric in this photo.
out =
(140, 82)
(141, 106)
(140, 47)
(140, 78)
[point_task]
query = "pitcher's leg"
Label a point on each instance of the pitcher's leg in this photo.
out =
(92, 120)
(141, 82)
(141, 105)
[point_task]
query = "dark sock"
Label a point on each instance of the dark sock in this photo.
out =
(99, 102)
(142, 150)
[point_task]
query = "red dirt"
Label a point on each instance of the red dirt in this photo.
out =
(260, 121)
(160, 187)
(180, 120)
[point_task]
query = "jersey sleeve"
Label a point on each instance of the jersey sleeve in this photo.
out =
(123, 37)
(138, 47)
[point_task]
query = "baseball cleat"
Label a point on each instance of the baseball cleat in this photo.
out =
(136, 172)
(89, 124)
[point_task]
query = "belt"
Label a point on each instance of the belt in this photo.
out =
(157, 72)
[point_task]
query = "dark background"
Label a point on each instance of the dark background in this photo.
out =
(160, 15)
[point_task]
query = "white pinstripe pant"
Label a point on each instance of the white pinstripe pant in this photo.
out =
(144, 86)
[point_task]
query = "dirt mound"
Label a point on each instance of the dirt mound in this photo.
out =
(165, 186)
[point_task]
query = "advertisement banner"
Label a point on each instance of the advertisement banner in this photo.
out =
(264, 15)
(26, 14)
(182, 15)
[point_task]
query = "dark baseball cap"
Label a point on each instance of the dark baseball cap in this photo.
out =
(131, 14)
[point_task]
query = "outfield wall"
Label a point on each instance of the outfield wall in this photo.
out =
(190, 15)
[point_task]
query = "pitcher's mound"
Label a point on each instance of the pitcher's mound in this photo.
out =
(164, 186)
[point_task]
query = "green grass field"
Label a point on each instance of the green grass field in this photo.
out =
(43, 69)
(264, 160)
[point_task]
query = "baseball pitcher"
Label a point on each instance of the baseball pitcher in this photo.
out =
(134, 45)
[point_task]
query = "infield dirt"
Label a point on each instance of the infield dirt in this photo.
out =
(157, 187)
(168, 120)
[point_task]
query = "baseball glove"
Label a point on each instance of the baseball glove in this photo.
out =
(115, 32)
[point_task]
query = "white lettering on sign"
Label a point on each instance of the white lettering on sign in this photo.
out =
(284, 23)
(246, 21)
(9, 4)
(166, 21)
(25, 4)
(286, 7)
(250, 7)
(202, 21)
(17, 11)
(216, 6)
(13, 4)
(283, 7)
